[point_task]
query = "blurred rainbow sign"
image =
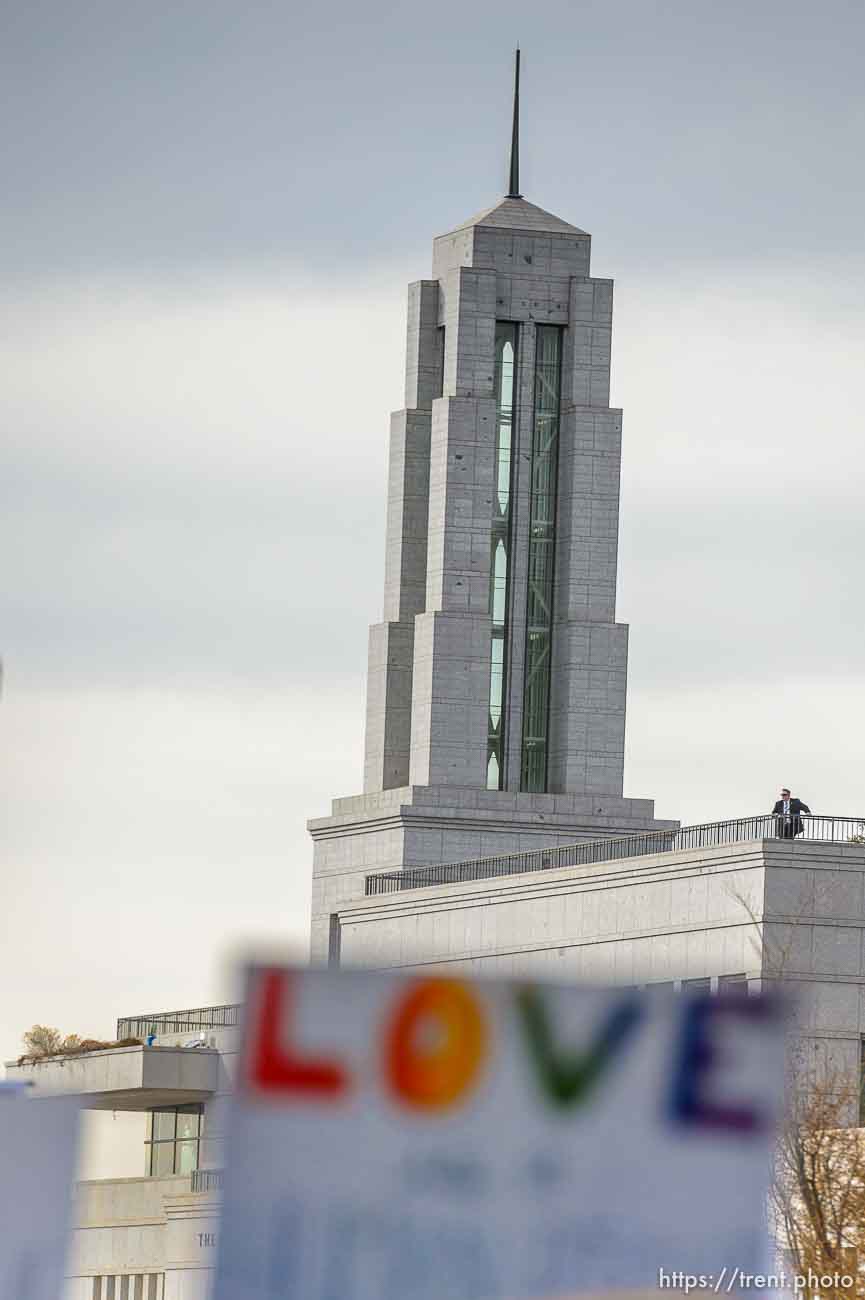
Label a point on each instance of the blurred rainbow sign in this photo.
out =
(418, 1138)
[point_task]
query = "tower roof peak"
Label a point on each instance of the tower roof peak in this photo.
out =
(513, 213)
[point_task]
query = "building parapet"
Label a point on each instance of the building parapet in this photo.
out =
(706, 835)
(125, 1078)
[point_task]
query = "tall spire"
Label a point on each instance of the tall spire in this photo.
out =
(514, 191)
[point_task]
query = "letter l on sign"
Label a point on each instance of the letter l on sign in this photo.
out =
(273, 1065)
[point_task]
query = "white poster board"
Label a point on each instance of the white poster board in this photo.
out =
(397, 1138)
(38, 1150)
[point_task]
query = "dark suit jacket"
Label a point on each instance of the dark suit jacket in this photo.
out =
(797, 807)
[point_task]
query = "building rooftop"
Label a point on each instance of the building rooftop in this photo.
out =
(125, 1078)
(519, 214)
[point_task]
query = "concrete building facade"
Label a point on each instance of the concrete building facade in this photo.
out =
(151, 1235)
(744, 912)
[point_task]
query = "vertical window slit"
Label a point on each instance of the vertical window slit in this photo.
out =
(542, 545)
(505, 374)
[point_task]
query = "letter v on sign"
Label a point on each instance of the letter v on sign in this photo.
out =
(566, 1076)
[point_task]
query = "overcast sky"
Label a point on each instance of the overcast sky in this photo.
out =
(211, 214)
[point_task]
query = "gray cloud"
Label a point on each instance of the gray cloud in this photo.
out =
(186, 135)
(191, 490)
(187, 490)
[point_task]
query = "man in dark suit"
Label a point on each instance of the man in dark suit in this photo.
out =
(788, 816)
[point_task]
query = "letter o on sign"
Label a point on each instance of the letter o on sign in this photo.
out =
(434, 1044)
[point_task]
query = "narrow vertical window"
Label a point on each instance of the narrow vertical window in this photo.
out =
(505, 372)
(542, 544)
(439, 385)
(334, 938)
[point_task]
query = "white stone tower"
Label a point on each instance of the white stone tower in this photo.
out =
(497, 681)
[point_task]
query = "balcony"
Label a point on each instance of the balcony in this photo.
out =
(206, 1181)
(125, 1078)
(179, 1022)
(835, 830)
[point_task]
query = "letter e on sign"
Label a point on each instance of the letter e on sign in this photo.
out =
(275, 1066)
(697, 1083)
(434, 1044)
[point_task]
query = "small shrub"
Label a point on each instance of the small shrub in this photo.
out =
(42, 1042)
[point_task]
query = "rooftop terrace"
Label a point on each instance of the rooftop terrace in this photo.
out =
(707, 835)
(178, 1022)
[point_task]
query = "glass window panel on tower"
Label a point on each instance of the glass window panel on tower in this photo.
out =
(505, 375)
(542, 541)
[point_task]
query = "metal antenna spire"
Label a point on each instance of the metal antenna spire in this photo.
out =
(514, 191)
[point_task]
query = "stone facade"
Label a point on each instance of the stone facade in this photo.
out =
(152, 1238)
(750, 913)
(428, 698)
(423, 826)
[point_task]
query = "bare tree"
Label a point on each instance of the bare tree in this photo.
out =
(41, 1041)
(817, 1197)
(818, 1192)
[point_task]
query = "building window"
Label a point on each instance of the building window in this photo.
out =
(542, 544)
(334, 938)
(172, 1141)
(733, 983)
(505, 388)
(699, 985)
(439, 388)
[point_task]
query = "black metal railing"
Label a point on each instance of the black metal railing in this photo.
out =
(178, 1022)
(207, 1180)
(587, 852)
